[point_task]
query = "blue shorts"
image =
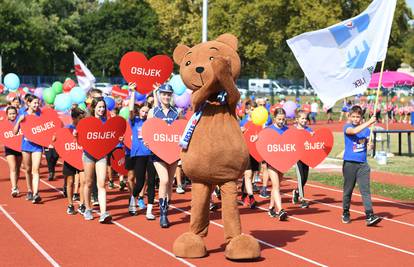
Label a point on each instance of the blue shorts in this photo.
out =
(89, 159)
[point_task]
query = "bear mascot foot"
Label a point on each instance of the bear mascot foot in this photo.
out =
(243, 247)
(189, 245)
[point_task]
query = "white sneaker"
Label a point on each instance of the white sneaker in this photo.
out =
(179, 190)
(149, 214)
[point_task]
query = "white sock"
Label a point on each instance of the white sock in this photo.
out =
(149, 209)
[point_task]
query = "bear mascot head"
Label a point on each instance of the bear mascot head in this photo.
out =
(215, 153)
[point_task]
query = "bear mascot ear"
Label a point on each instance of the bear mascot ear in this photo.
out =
(179, 53)
(228, 39)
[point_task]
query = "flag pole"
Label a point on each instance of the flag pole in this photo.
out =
(377, 97)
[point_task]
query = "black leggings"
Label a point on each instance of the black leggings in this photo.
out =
(144, 165)
(51, 158)
(304, 173)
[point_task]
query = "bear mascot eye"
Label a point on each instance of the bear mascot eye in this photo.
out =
(211, 58)
(188, 63)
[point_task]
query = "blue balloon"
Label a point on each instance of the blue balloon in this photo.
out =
(12, 82)
(77, 95)
(63, 102)
(139, 97)
(177, 84)
(110, 103)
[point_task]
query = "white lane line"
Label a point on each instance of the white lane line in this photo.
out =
(356, 211)
(28, 237)
(348, 234)
(135, 234)
(263, 242)
(356, 194)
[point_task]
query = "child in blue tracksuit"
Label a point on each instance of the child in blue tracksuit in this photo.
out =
(355, 167)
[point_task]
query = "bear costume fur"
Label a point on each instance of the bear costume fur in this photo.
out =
(217, 153)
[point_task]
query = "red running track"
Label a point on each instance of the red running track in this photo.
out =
(313, 236)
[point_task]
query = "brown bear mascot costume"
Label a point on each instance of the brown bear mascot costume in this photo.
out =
(216, 153)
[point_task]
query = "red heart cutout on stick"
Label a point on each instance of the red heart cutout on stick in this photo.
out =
(6, 133)
(317, 146)
(68, 148)
(189, 114)
(118, 161)
(135, 67)
(128, 136)
(280, 151)
(98, 138)
(41, 129)
(118, 91)
(163, 139)
(250, 136)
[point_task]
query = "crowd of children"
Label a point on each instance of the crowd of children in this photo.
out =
(147, 172)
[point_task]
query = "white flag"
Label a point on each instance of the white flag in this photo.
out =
(339, 60)
(86, 80)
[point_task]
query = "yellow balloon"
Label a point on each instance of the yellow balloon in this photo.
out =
(402, 100)
(259, 115)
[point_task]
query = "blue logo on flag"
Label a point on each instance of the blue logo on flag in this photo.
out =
(345, 32)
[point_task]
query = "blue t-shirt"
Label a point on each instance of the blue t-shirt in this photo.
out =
(279, 130)
(244, 120)
(27, 145)
(356, 145)
(138, 148)
(171, 116)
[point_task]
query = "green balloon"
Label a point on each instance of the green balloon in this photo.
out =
(57, 87)
(282, 96)
(124, 113)
(82, 106)
(317, 97)
(124, 87)
(49, 95)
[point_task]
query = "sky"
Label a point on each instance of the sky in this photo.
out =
(410, 3)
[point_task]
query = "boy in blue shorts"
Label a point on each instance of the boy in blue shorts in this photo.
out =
(355, 167)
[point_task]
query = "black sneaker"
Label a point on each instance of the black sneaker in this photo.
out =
(95, 201)
(373, 220)
(295, 197)
(111, 184)
(36, 199)
(76, 197)
(282, 215)
(65, 192)
(51, 176)
(122, 185)
(82, 209)
(29, 196)
(346, 217)
(213, 206)
(263, 193)
(71, 210)
(304, 204)
(272, 213)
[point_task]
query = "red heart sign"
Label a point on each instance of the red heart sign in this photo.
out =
(118, 91)
(189, 114)
(135, 67)
(98, 138)
(317, 146)
(41, 129)
(250, 136)
(6, 133)
(162, 139)
(68, 148)
(280, 151)
(128, 136)
(118, 161)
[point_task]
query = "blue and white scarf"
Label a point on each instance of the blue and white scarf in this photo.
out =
(192, 123)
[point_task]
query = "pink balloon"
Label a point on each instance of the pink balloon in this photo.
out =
(182, 101)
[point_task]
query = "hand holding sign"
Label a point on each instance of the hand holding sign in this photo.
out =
(317, 146)
(41, 129)
(136, 68)
(6, 133)
(68, 148)
(98, 138)
(281, 151)
(162, 139)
